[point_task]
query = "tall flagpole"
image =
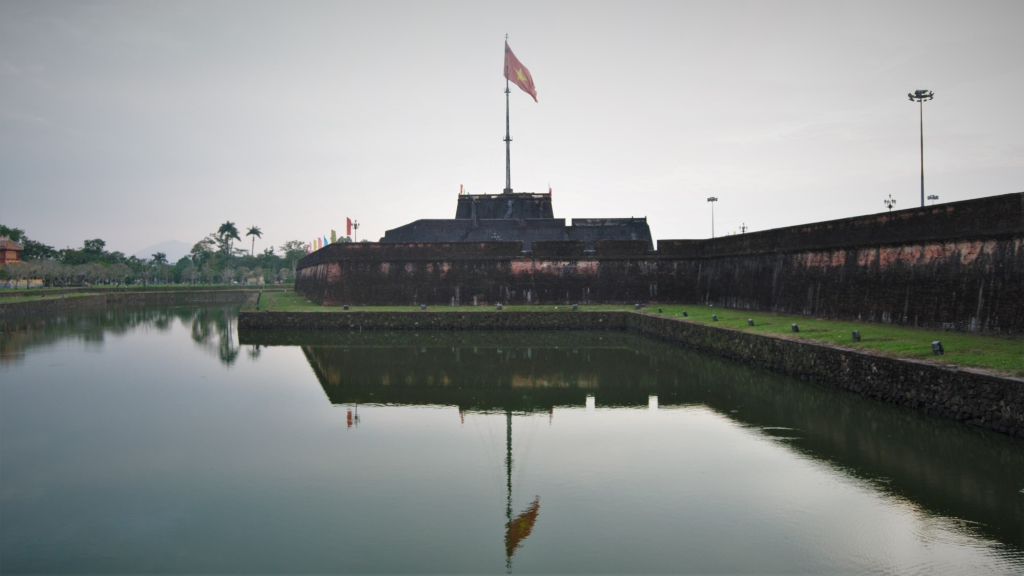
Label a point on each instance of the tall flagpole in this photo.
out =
(508, 139)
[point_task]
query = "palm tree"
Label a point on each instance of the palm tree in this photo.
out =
(159, 258)
(255, 232)
(227, 232)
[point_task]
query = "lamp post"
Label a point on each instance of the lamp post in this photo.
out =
(743, 228)
(933, 198)
(712, 200)
(889, 203)
(921, 96)
(355, 228)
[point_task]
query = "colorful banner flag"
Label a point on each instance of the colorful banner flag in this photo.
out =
(518, 74)
(348, 226)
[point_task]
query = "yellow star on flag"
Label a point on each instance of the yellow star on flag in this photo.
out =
(519, 74)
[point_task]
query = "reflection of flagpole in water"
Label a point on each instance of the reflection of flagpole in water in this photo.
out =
(508, 484)
(518, 528)
(508, 463)
(351, 418)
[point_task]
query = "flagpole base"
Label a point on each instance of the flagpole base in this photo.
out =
(507, 190)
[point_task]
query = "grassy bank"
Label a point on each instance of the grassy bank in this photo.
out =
(37, 297)
(14, 294)
(289, 301)
(1000, 354)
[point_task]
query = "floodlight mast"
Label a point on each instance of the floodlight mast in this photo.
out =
(921, 96)
(713, 200)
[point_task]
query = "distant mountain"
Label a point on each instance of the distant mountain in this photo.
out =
(174, 250)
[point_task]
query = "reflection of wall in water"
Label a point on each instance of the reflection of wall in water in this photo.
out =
(477, 378)
(940, 465)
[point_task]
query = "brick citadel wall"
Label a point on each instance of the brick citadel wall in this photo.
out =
(955, 266)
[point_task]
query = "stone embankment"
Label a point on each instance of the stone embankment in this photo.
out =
(54, 304)
(974, 397)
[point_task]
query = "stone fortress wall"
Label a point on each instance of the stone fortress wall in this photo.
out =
(955, 266)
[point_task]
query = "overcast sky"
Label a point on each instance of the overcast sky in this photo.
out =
(139, 122)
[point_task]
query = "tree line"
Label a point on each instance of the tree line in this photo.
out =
(213, 259)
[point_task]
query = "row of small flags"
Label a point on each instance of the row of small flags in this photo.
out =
(319, 243)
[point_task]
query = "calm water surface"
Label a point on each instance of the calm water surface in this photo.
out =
(158, 440)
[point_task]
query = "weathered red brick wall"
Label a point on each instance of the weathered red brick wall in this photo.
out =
(958, 266)
(964, 284)
(476, 273)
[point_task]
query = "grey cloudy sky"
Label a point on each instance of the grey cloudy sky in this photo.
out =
(139, 122)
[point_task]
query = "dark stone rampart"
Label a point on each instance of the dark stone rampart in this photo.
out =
(493, 206)
(523, 217)
(955, 266)
(526, 230)
(970, 396)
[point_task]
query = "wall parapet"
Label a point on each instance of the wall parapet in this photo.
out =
(995, 216)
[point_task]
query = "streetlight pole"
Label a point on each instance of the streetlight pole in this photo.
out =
(355, 227)
(921, 96)
(933, 198)
(889, 203)
(712, 200)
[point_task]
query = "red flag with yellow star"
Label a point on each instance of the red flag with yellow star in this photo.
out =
(518, 74)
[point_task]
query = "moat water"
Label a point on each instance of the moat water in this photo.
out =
(159, 441)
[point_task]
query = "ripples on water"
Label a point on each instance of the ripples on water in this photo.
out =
(159, 441)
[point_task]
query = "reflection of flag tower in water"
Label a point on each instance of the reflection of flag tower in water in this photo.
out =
(518, 528)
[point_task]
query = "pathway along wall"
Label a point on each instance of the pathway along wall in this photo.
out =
(54, 304)
(954, 266)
